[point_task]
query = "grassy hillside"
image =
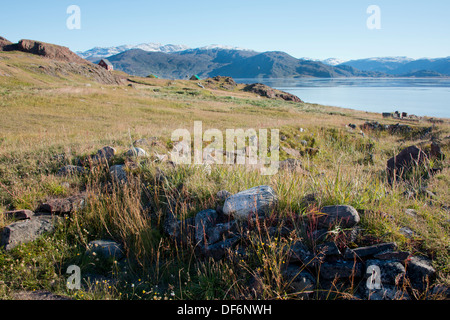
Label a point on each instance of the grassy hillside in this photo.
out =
(53, 115)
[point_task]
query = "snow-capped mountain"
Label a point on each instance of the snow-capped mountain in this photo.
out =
(381, 64)
(99, 52)
(223, 47)
(329, 61)
(333, 61)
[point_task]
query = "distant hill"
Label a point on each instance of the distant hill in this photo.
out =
(97, 53)
(403, 66)
(235, 63)
(180, 61)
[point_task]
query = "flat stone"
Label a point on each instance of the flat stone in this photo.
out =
(400, 256)
(25, 231)
(19, 214)
(340, 269)
(64, 205)
(364, 252)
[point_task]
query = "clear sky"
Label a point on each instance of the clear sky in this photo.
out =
(316, 29)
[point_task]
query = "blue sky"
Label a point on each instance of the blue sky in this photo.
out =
(316, 29)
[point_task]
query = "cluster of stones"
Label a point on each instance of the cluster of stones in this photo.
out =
(216, 233)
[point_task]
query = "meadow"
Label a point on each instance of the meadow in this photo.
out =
(49, 121)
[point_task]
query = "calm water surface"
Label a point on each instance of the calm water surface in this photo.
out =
(422, 97)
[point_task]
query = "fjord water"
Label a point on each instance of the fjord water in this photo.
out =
(419, 96)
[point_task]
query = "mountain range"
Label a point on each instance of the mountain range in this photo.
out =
(180, 61)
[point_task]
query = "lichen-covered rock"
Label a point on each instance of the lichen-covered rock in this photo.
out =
(257, 201)
(25, 231)
(342, 215)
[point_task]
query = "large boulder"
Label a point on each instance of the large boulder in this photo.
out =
(25, 231)
(257, 201)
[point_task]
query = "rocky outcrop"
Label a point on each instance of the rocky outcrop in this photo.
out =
(266, 91)
(50, 51)
(5, 44)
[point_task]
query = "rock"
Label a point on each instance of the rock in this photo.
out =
(181, 231)
(435, 151)
(220, 231)
(257, 201)
(342, 215)
(399, 256)
(266, 91)
(25, 231)
(292, 152)
(63, 206)
(219, 249)
(19, 214)
(118, 173)
(136, 152)
(38, 295)
(223, 195)
(204, 220)
(387, 292)
(106, 249)
(404, 161)
(50, 51)
(340, 269)
(298, 252)
(299, 281)
(329, 249)
(291, 165)
(70, 170)
(392, 272)
(103, 156)
(420, 270)
(407, 232)
(369, 251)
